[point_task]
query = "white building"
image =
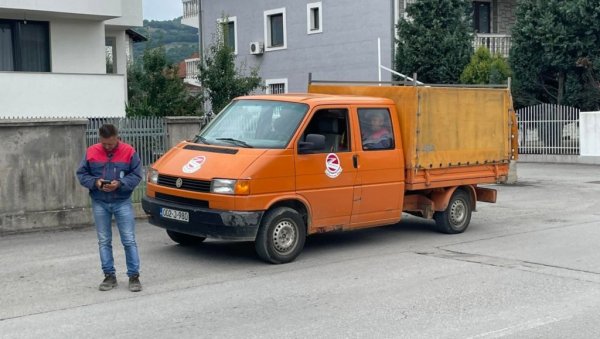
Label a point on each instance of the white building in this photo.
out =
(53, 57)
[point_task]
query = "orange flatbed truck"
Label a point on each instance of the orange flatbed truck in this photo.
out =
(275, 168)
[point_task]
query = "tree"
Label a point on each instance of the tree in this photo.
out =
(436, 41)
(219, 76)
(485, 68)
(555, 54)
(154, 89)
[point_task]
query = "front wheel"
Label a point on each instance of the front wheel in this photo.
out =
(281, 236)
(185, 239)
(455, 219)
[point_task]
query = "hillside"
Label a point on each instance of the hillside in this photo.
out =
(180, 41)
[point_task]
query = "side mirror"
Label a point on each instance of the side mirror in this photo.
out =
(313, 142)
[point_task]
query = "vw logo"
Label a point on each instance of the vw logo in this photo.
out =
(178, 183)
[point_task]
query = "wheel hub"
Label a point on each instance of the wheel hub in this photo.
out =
(458, 212)
(284, 237)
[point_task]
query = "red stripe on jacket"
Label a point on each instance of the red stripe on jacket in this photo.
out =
(122, 153)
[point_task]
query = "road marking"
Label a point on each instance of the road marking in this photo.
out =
(529, 325)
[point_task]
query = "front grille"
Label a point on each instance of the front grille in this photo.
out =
(181, 200)
(187, 184)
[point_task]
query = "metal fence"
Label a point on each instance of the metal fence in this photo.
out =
(147, 135)
(548, 129)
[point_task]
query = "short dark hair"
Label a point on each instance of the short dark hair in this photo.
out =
(108, 130)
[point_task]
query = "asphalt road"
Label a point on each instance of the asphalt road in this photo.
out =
(527, 267)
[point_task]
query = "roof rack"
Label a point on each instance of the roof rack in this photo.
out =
(404, 83)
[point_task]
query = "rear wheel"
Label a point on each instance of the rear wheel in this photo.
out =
(455, 219)
(281, 236)
(185, 239)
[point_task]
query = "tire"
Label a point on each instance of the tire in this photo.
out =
(457, 216)
(281, 236)
(185, 239)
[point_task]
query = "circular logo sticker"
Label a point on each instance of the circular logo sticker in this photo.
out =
(194, 164)
(333, 167)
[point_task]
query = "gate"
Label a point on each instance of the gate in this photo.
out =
(148, 135)
(548, 129)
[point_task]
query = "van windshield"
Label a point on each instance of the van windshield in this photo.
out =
(254, 123)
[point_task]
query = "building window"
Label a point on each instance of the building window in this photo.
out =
(275, 30)
(276, 86)
(24, 46)
(228, 27)
(314, 18)
(481, 17)
(110, 48)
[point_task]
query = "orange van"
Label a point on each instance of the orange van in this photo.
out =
(275, 168)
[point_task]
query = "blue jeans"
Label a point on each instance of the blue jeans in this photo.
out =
(125, 218)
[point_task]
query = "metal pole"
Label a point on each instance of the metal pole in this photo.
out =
(200, 47)
(379, 59)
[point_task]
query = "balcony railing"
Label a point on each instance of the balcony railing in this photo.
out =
(496, 43)
(190, 8)
(191, 71)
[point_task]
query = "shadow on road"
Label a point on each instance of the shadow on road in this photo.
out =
(222, 251)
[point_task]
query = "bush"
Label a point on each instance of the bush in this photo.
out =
(486, 69)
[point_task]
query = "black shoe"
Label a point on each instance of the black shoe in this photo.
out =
(110, 282)
(134, 283)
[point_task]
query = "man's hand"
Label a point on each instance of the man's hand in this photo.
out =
(112, 186)
(115, 184)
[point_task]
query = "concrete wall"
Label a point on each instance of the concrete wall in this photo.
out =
(589, 142)
(77, 46)
(61, 95)
(38, 188)
(67, 8)
(351, 26)
(181, 128)
(38, 160)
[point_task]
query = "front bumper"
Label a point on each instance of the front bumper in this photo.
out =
(205, 222)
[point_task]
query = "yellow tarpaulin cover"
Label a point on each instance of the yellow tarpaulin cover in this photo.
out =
(445, 126)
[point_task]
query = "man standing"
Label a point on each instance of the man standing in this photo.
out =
(111, 169)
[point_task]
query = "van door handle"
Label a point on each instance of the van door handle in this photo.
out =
(355, 160)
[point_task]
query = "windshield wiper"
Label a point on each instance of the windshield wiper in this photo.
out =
(236, 142)
(203, 139)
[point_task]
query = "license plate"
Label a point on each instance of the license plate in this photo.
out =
(175, 214)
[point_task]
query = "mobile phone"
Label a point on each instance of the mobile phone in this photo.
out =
(104, 182)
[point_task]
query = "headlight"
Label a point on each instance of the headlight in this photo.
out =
(223, 186)
(230, 186)
(153, 176)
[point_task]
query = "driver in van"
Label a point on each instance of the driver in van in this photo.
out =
(379, 135)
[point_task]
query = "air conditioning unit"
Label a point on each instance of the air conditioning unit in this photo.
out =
(257, 47)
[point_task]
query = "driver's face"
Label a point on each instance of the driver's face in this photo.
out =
(377, 122)
(110, 143)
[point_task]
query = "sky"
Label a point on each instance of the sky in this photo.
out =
(162, 9)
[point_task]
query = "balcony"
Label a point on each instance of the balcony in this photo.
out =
(496, 43)
(26, 94)
(190, 13)
(191, 71)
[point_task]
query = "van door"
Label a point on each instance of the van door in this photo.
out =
(380, 174)
(325, 177)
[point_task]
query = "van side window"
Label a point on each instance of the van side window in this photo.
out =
(375, 128)
(333, 125)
